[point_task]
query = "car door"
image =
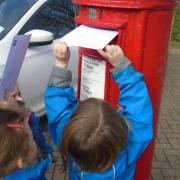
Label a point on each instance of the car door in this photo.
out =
(54, 16)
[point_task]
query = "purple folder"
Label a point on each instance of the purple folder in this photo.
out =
(14, 62)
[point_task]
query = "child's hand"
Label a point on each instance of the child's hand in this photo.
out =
(62, 54)
(113, 53)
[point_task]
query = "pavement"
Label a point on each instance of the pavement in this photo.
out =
(166, 161)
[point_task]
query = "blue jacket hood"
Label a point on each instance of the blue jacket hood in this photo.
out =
(34, 172)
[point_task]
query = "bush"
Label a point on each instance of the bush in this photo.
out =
(176, 26)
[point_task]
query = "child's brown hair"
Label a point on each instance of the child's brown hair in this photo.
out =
(94, 137)
(14, 143)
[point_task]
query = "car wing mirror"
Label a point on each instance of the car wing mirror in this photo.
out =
(40, 37)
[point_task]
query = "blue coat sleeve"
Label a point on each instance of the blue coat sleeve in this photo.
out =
(137, 110)
(60, 104)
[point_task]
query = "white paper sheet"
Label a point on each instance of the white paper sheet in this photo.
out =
(88, 37)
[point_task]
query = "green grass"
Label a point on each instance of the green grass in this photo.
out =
(176, 27)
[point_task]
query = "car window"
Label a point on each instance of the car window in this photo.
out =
(10, 13)
(56, 16)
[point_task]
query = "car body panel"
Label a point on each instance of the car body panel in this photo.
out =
(37, 65)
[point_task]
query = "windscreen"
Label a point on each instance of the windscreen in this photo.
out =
(11, 11)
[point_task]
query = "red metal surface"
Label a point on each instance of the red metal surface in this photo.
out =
(111, 88)
(128, 4)
(144, 31)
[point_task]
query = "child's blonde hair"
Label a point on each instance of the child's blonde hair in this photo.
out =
(14, 143)
(94, 137)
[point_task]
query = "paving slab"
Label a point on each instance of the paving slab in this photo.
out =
(166, 163)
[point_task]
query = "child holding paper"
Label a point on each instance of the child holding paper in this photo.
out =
(19, 127)
(97, 142)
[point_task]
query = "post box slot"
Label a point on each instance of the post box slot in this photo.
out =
(101, 17)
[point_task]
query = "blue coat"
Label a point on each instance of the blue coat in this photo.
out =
(34, 172)
(39, 138)
(61, 103)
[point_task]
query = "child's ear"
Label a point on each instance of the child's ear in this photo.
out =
(20, 163)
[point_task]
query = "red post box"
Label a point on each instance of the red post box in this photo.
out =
(144, 28)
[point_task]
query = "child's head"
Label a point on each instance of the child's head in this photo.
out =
(17, 147)
(95, 136)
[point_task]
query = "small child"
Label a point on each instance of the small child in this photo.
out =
(45, 149)
(18, 150)
(96, 141)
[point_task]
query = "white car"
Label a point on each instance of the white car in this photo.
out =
(56, 17)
